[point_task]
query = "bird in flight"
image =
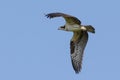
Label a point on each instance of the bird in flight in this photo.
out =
(79, 39)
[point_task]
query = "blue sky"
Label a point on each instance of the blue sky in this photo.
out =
(31, 47)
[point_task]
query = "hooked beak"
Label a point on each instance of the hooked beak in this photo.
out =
(59, 28)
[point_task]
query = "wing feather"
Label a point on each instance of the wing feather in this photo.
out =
(68, 18)
(77, 49)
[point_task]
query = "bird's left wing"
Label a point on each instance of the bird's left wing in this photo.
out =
(68, 18)
(77, 49)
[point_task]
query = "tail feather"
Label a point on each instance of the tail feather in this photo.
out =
(90, 28)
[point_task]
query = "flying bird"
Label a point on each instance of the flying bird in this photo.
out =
(79, 39)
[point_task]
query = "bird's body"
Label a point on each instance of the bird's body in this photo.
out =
(79, 39)
(69, 27)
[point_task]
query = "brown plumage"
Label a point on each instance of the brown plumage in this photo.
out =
(79, 39)
(68, 18)
(77, 48)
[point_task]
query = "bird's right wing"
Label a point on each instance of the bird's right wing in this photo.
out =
(77, 49)
(68, 18)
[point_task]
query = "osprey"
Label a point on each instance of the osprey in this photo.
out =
(79, 39)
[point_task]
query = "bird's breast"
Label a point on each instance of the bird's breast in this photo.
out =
(72, 27)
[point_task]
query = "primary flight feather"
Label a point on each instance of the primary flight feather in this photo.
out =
(79, 39)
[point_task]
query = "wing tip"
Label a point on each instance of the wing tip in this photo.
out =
(76, 66)
(48, 16)
(51, 15)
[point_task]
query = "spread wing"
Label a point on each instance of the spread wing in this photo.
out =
(77, 49)
(68, 18)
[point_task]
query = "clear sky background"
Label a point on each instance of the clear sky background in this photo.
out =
(31, 47)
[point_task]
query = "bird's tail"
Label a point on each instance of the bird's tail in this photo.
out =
(90, 28)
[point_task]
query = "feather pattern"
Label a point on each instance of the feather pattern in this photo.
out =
(79, 39)
(77, 48)
(68, 18)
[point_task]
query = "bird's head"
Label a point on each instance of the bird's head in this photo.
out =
(61, 28)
